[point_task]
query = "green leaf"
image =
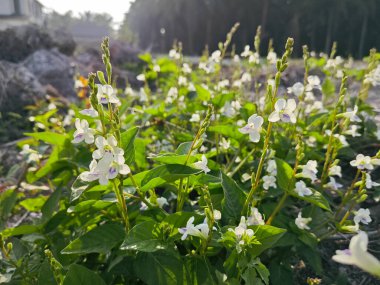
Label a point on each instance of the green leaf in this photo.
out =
(200, 271)
(162, 267)
(78, 187)
(8, 200)
(234, 198)
(166, 174)
(285, 179)
(267, 236)
(230, 131)
(80, 275)
(51, 204)
(50, 137)
(184, 148)
(203, 94)
(316, 198)
(20, 230)
(141, 238)
(128, 143)
(33, 204)
(101, 240)
(328, 87)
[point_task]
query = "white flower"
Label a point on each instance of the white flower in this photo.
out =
(202, 164)
(272, 167)
(314, 81)
(217, 215)
(302, 190)
(373, 77)
(201, 230)
(195, 118)
(269, 181)
(174, 54)
(106, 94)
(140, 77)
(362, 216)
(172, 95)
(353, 131)
(156, 68)
(83, 132)
(253, 127)
(104, 170)
(352, 115)
(30, 154)
(129, 92)
(246, 52)
(186, 68)
(231, 109)
(89, 112)
(284, 111)
(254, 58)
(310, 170)
(162, 201)
(242, 230)
(357, 255)
(272, 57)
(143, 95)
(246, 77)
(341, 138)
(369, 183)
(301, 222)
(224, 144)
(245, 177)
(364, 162)
(216, 56)
(255, 218)
(333, 184)
(108, 145)
(297, 89)
(182, 81)
(335, 170)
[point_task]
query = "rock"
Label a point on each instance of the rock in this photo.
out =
(52, 67)
(17, 43)
(63, 41)
(18, 87)
(123, 53)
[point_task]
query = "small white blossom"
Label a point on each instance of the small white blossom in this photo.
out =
(195, 118)
(353, 131)
(335, 170)
(216, 56)
(201, 230)
(242, 229)
(217, 215)
(255, 218)
(373, 77)
(297, 89)
(182, 81)
(202, 164)
(363, 162)
(369, 183)
(83, 132)
(91, 112)
(186, 68)
(108, 145)
(333, 184)
(224, 144)
(253, 127)
(143, 97)
(156, 68)
(246, 77)
(246, 52)
(358, 255)
(254, 58)
(272, 57)
(269, 181)
(162, 201)
(284, 111)
(272, 167)
(174, 54)
(314, 81)
(106, 94)
(31, 155)
(362, 216)
(301, 222)
(352, 115)
(302, 190)
(310, 170)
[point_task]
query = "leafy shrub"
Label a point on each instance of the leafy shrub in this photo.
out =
(195, 178)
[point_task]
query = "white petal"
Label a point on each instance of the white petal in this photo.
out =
(291, 105)
(274, 117)
(254, 136)
(280, 105)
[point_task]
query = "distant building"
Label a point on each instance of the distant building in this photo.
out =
(20, 12)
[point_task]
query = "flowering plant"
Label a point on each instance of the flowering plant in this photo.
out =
(195, 178)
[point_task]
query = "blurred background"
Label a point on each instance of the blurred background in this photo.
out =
(48, 47)
(154, 25)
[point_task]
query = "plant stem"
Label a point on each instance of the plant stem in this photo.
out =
(278, 208)
(259, 170)
(122, 204)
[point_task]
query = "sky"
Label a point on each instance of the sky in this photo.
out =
(116, 8)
